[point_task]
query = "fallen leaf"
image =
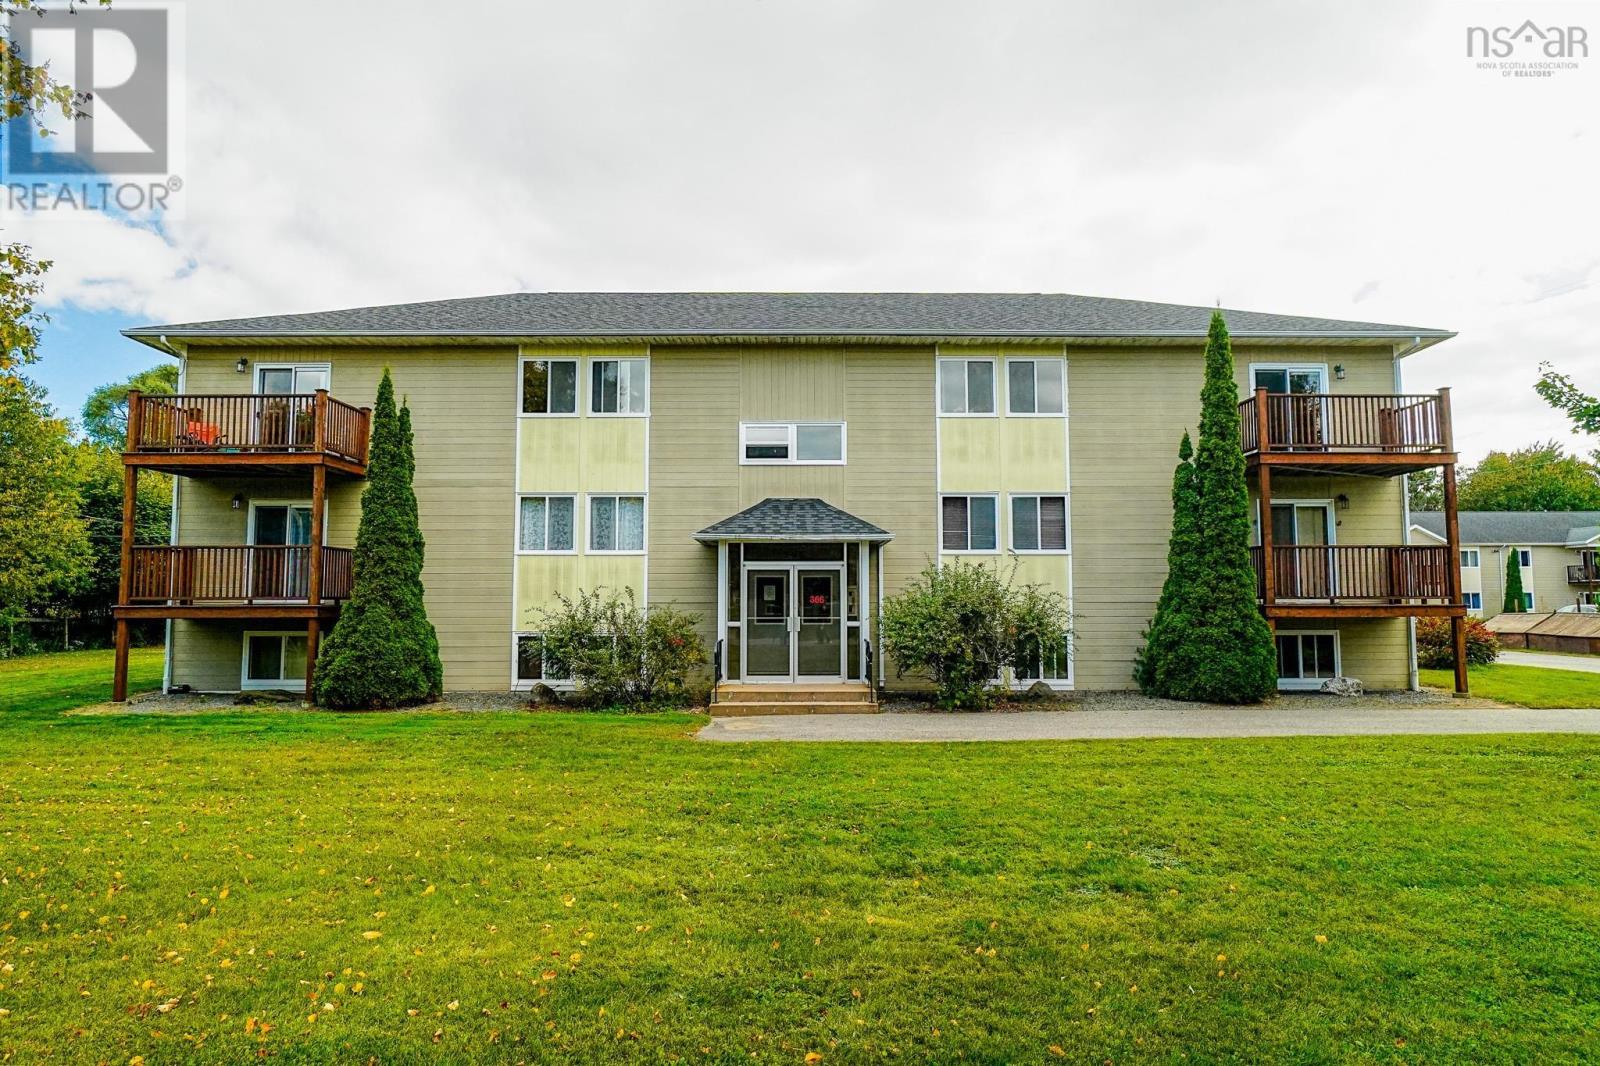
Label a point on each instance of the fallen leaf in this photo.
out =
(812, 1058)
(371, 934)
(1056, 1050)
(429, 890)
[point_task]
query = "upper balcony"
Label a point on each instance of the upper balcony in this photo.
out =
(243, 433)
(1338, 433)
(1355, 581)
(1586, 572)
(283, 581)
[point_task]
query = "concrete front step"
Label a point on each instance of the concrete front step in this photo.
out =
(724, 709)
(794, 693)
(735, 699)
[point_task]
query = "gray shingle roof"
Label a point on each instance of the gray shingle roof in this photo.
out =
(791, 518)
(590, 314)
(1515, 527)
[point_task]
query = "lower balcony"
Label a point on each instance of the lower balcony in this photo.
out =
(236, 581)
(1587, 574)
(1355, 581)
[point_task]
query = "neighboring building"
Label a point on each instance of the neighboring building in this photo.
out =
(1557, 549)
(779, 464)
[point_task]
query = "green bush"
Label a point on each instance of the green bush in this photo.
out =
(962, 625)
(383, 651)
(621, 654)
(1434, 651)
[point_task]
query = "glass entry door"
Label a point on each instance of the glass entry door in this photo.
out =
(793, 623)
(767, 626)
(1307, 572)
(281, 575)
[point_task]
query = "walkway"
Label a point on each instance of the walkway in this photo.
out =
(1199, 721)
(1588, 664)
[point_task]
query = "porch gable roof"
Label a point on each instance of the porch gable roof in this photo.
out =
(792, 518)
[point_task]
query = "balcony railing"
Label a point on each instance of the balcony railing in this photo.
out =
(235, 573)
(1346, 423)
(1355, 574)
(1583, 574)
(247, 424)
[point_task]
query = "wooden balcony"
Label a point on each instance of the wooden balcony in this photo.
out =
(1355, 581)
(1375, 435)
(236, 581)
(1585, 573)
(246, 434)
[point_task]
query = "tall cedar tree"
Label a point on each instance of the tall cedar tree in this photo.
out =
(1183, 551)
(383, 651)
(1514, 599)
(1221, 650)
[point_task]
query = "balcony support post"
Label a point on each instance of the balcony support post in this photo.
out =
(1269, 577)
(1262, 440)
(313, 639)
(1452, 531)
(135, 418)
(319, 510)
(130, 500)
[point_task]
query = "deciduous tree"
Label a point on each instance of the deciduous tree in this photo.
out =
(1538, 478)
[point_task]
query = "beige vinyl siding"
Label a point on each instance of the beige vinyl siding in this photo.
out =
(701, 394)
(1548, 582)
(1129, 405)
(463, 405)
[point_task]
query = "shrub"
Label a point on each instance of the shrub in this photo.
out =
(1433, 644)
(383, 651)
(962, 625)
(1208, 640)
(620, 654)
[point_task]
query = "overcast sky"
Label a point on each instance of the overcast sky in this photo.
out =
(1339, 159)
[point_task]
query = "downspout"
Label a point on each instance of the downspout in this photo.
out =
(172, 536)
(1413, 680)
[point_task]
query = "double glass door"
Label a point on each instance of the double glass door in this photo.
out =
(1308, 571)
(794, 625)
(280, 575)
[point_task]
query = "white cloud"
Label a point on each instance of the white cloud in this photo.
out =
(1341, 160)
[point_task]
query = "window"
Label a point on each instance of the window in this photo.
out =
(1038, 523)
(1527, 601)
(1056, 665)
(274, 660)
(1469, 557)
(532, 663)
(1297, 380)
(966, 386)
(1035, 386)
(1524, 557)
(1474, 600)
(291, 380)
(1305, 660)
(800, 443)
(545, 524)
(619, 386)
(549, 386)
(616, 523)
(967, 523)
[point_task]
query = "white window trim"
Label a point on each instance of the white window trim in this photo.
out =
(577, 523)
(519, 684)
(1321, 368)
(644, 523)
(1017, 683)
(1303, 684)
(248, 684)
(1011, 532)
(1325, 504)
(1477, 558)
(793, 444)
(999, 537)
(586, 402)
(256, 369)
(1036, 359)
(250, 517)
(577, 411)
(938, 392)
(1464, 598)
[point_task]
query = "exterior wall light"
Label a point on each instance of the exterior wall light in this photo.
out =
(238, 500)
(1338, 370)
(1343, 501)
(244, 364)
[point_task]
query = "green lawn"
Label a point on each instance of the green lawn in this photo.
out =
(1524, 686)
(44, 684)
(415, 887)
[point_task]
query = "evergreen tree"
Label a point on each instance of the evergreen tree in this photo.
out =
(383, 651)
(1514, 599)
(1182, 562)
(1221, 648)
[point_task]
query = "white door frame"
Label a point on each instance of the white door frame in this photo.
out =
(793, 569)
